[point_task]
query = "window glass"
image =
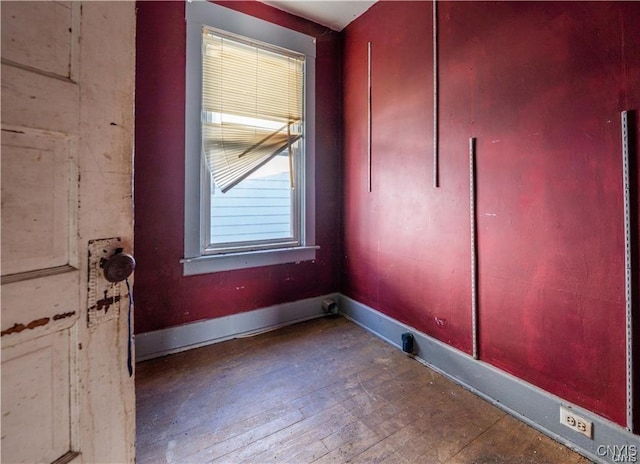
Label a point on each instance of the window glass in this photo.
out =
(252, 138)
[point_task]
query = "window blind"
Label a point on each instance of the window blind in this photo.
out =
(252, 106)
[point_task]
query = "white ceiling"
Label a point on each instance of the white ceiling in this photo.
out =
(334, 14)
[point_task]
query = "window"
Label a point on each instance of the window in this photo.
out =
(249, 150)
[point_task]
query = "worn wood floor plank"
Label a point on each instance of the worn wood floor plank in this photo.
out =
(324, 391)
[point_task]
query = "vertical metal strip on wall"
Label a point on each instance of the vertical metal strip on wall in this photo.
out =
(436, 161)
(369, 118)
(627, 261)
(474, 245)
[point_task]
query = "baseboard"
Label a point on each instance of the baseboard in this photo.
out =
(534, 406)
(184, 337)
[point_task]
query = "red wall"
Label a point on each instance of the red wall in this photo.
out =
(541, 86)
(165, 298)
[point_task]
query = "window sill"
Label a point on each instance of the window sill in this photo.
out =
(229, 262)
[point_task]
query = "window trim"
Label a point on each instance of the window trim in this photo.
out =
(200, 13)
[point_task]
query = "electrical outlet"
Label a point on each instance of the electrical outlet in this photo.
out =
(575, 422)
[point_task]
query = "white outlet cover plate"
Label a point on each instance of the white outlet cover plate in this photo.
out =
(576, 422)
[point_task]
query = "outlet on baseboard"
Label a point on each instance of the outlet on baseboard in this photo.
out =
(576, 422)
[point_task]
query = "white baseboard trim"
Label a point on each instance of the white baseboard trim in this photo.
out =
(611, 443)
(185, 337)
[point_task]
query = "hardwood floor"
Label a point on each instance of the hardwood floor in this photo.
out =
(324, 391)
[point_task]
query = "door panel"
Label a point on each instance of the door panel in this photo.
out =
(41, 38)
(39, 198)
(37, 399)
(31, 99)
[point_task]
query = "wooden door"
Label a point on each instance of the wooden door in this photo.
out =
(67, 141)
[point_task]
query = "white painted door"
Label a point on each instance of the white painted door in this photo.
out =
(67, 144)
